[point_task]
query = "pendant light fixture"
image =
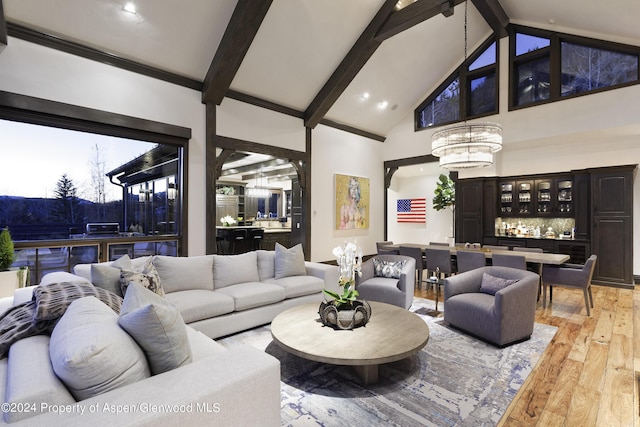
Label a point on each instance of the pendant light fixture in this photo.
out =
(467, 145)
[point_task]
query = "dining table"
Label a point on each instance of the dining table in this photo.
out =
(532, 257)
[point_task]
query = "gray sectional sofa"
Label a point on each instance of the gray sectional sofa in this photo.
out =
(215, 295)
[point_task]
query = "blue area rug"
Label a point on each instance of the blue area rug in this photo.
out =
(455, 380)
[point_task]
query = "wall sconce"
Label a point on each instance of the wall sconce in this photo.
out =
(145, 194)
(172, 191)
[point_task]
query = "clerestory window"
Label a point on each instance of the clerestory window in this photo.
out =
(471, 91)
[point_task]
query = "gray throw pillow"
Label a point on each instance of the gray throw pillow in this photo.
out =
(91, 354)
(107, 278)
(388, 269)
(157, 327)
(233, 269)
(17, 323)
(52, 300)
(147, 276)
(491, 284)
(289, 262)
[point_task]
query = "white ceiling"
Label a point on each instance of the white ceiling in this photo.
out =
(301, 42)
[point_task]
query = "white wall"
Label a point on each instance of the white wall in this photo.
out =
(336, 152)
(439, 224)
(30, 69)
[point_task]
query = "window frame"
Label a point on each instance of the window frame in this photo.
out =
(462, 72)
(554, 52)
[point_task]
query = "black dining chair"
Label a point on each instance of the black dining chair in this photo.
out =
(238, 239)
(255, 237)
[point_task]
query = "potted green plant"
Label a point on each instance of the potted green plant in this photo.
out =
(10, 278)
(445, 197)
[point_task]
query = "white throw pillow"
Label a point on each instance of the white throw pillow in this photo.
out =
(289, 262)
(157, 327)
(91, 354)
(184, 273)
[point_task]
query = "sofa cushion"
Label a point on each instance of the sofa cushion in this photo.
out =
(197, 304)
(146, 276)
(491, 284)
(289, 262)
(388, 269)
(266, 264)
(183, 273)
(157, 327)
(52, 300)
(17, 323)
(233, 269)
(297, 286)
(30, 379)
(91, 354)
(107, 276)
(253, 294)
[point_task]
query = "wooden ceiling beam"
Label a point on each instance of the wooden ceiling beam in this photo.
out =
(352, 63)
(494, 14)
(241, 30)
(414, 14)
(3, 28)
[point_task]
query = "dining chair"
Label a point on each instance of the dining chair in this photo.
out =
(415, 253)
(535, 267)
(381, 250)
(470, 260)
(513, 261)
(571, 276)
(438, 260)
(438, 244)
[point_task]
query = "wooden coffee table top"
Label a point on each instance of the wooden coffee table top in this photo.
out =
(391, 334)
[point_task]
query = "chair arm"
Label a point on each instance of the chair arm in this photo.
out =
(328, 273)
(463, 283)
(565, 276)
(367, 272)
(407, 279)
(518, 297)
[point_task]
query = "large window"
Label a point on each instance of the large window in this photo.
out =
(471, 91)
(55, 183)
(548, 66)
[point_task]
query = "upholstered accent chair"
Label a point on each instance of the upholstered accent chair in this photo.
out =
(495, 304)
(381, 250)
(389, 279)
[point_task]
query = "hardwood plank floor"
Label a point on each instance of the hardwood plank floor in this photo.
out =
(590, 372)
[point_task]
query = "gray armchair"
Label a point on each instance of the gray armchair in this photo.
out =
(502, 319)
(388, 290)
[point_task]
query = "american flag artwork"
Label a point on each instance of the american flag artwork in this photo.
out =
(412, 210)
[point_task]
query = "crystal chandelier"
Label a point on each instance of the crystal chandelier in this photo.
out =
(467, 145)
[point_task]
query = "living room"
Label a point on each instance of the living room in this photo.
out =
(595, 130)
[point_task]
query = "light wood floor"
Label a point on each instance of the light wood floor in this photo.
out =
(588, 375)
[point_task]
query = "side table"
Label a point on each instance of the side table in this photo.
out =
(433, 280)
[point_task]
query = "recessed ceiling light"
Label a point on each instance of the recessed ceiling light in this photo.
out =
(364, 96)
(130, 7)
(382, 105)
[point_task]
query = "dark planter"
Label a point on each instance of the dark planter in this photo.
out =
(346, 316)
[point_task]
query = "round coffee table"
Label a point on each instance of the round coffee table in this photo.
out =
(391, 334)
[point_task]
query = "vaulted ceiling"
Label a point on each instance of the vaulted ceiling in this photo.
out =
(316, 58)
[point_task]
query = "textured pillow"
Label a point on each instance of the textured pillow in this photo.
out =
(107, 278)
(289, 262)
(491, 284)
(157, 327)
(233, 269)
(91, 354)
(147, 276)
(17, 323)
(388, 269)
(52, 300)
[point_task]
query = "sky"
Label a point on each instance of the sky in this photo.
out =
(35, 157)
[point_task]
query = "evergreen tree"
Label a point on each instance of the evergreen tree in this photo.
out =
(67, 209)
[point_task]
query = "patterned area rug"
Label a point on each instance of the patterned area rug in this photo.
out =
(455, 380)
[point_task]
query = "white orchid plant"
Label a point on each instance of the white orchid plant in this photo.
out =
(227, 220)
(349, 258)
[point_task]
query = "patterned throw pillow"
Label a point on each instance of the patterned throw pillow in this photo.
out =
(147, 277)
(491, 284)
(17, 323)
(389, 269)
(52, 300)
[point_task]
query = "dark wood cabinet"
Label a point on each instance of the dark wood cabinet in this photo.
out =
(469, 206)
(582, 204)
(489, 206)
(612, 213)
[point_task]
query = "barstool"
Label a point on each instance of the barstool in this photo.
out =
(238, 238)
(255, 238)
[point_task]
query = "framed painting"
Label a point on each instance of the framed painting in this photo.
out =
(352, 202)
